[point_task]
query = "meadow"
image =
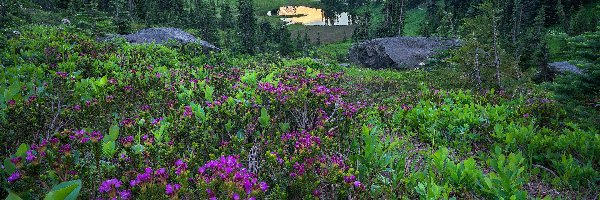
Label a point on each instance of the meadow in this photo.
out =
(89, 120)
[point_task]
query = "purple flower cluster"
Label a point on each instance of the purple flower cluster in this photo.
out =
(142, 178)
(228, 170)
(65, 149)
(96, 136)
(172, 189)
(127, 122)
(127, 141)
(16, 160)
(282, 90)
(352, 181)
(128, 88)
(62, 74)
(162, 174)
(83, 136)
(111, 187)
(30, 157)
(299, 170)
(180, 167)
(349, 179)
(15, 176)
(187, 112)
(157, 121)
(147, 139)
(350, 109)
(303, 141)
(145, 108)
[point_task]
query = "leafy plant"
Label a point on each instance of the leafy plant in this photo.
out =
(507, 178)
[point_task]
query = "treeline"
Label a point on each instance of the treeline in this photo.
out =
(502, 39)
(228, 24)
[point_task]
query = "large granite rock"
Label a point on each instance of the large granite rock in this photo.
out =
(564, 67)
(397, 52)
(161, 36)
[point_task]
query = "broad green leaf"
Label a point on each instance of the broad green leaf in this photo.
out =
(11, 91)
(9, 167)
(108, 149)
(229, 126)
(264, 118)
(22, 150)
(284, 127)
(12, 196)
(208, 93)
(240, 134)
(102, 81)
(113, 134)
(65, 191)
(199, 111)
(138, 148)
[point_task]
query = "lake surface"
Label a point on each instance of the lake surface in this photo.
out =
(311, 16)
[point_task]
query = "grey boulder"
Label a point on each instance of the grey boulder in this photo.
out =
(398, 52)
(564, 67)
(161, 36)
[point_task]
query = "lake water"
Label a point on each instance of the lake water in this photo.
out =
(311, 16)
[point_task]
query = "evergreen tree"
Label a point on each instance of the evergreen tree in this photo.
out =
(393, 15)
(266, 35)
(286, 46)
(446, 27)
(480, 51)
(432, 19)
(300, 46)
(307, 44)
(516, 29)
(227, 21)
(121, 17)
(541, 51)
(562, 16)
(12, 13)
(209, 21)
(247, 26)
(362, 32)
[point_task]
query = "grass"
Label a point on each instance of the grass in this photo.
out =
(335, 51)
(414, 19)
(325, 34)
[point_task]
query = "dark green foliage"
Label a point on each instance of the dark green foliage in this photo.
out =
(12, 13)
(286, 44)
(227, 21)
(266, 35)
(432, 19)
(121, 16)
(393, 12)
(540, 53)
(363, 30)
(208, 21)
(584, 20)
(247, 26)
(581, 93)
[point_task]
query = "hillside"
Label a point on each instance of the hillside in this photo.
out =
(268, 115)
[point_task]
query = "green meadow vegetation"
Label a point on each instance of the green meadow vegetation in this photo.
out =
(271, 116)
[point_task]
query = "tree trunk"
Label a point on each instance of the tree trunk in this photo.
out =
(496, 53)
(477, 69)
(516, 33)
(401, 25)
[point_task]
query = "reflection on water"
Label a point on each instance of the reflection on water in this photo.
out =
(311, 16)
